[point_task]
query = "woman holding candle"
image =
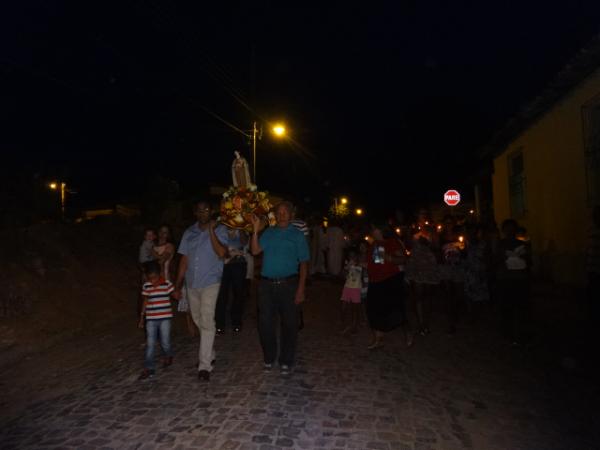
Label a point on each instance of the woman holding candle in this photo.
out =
(386, 308)
(452, 271)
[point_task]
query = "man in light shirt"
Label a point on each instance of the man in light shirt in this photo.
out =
(203, 248)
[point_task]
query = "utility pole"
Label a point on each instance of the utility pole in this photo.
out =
(254, 133)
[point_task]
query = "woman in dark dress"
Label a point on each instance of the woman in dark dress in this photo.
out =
(386, 308)
(513, 272)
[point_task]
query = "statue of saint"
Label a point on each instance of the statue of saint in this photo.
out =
(239, 171)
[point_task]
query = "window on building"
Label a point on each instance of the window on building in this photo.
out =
(516, 184)
(591, 132)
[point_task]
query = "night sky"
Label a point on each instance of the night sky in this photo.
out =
(108, 94)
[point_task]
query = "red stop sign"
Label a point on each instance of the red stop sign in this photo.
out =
(452, 197)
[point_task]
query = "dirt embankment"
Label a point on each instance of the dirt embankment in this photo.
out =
(65, 280)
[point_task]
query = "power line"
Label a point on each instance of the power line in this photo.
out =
(216, 116)
(211, 68)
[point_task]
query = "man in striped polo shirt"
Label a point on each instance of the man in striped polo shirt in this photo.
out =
(301, 226)
(157, 313)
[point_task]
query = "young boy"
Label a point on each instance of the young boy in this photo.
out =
(157, 313)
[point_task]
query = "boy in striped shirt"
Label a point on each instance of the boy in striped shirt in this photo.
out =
(157, 313)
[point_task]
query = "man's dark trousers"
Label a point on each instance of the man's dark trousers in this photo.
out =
(234, 275)
(277, 297)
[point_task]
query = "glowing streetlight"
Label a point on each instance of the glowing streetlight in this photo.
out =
(279, 130)
(358, 212)
(54, 186)
(340, 208)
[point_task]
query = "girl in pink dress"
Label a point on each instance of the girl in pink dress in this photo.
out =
(351, 293)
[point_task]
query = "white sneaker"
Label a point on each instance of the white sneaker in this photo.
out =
(285, 369)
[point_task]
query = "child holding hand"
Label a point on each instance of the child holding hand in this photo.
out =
(156, 314)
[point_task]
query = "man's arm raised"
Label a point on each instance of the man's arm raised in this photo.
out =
(255, 248)
(219, 248)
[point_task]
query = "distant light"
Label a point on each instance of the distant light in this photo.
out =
(427, 222)
(367, 238)
(344, 200)
(53, 185)
(398, 230)
(439, 228)
(279, 130)
(472, 211)
(359, 212)
(461, 239)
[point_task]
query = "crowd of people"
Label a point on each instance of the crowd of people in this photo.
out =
(392, 275)
(395, 274)
(459, 267)
(213, 262)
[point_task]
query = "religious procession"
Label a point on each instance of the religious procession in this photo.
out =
(249, 249)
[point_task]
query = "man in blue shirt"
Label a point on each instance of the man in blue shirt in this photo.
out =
(281, 289)
(203, 248)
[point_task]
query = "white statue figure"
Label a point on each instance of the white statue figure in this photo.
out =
(239, 171)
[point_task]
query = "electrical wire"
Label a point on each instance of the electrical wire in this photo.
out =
(220, 75)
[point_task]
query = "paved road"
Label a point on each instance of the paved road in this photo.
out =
(470, 391)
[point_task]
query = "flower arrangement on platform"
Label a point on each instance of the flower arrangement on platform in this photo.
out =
(240, 202)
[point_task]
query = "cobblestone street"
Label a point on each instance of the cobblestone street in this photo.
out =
(469, 391)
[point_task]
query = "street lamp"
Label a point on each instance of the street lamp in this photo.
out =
(340, 209)
(55, 186)
(278, 131)
(358, 211)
